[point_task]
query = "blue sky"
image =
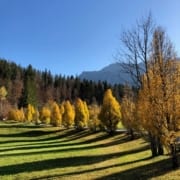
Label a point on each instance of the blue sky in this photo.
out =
(71, 36)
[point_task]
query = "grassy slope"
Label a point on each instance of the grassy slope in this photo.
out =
(29, 152)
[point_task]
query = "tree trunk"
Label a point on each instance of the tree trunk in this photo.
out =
(175, 163)
(153, 145)
(160, 147)
(131, 132)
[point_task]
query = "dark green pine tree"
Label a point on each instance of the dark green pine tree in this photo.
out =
(29, 92)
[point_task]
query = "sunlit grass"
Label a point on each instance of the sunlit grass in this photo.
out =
(31, 152)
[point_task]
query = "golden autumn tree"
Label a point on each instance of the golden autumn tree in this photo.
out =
(81, 114)
(12, 115)
(110, 114)
(68, 115)
(36, 117)
(56, 116)
(4, 104)
(86, 111)
(45, 115)
(61, 108)
(159, 95)
(21, 114)
(94, 122)
(129, 115)
(3, 93)
(16, 114)
(30, 112)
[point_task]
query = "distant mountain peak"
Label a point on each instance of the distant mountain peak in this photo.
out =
(112, 73)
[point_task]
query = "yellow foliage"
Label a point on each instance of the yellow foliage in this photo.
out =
(45, 115)
(94, 122)
(56, 116)
(81, 114)
(86, 111)
(3, 93)
(16, 114)
(69, 114)
(110, 113)
(129, 113)
(30, 113)
(159, 100)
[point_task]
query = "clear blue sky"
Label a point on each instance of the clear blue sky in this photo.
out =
(71, 36)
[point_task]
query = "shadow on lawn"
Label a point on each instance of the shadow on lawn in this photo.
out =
(69, 147)
(143, 172)
(57, 135)
(62, 162)
(33, 133)
(93, 170)
(139, 173)
(88, 144)
(15, 124)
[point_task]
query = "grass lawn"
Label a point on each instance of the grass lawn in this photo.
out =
(31, 152)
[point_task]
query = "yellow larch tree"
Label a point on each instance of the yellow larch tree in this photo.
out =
(81, 116)
(94, 122)
(56, 116)
(68, 115)
(16, 114)
(129, 115)
(30, 112)
(45, 115)
(110, 114)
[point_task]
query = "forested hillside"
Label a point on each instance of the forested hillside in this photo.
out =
(30, 86)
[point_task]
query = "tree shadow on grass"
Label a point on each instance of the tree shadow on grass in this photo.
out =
(58, 145)
(78, 135)
(61, 162)
(33, 133)
(57, 135)
(22, 125)
(67, 147)
(91, 170)
(143, 172)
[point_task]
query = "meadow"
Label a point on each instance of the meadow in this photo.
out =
(36, 152)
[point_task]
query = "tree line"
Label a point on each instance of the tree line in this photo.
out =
(30, 86)
(76, 115)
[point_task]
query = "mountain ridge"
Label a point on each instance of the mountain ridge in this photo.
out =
(113, 74)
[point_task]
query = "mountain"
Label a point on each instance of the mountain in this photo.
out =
(112, 73)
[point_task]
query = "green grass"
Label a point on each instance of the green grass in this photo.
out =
(31, 152)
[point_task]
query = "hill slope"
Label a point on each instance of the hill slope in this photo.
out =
(113, 74)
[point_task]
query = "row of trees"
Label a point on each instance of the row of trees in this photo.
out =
(154, 108)
(77, 115)
(28, 86)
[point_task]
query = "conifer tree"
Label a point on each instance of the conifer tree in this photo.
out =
(68, 115)
(56, 116)
(86, 111)
(81, 116)
(29, 92)
(94, 122)
(110, 114)
(129, 117)
(16, 114)
(30, 112)
(45, 115)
